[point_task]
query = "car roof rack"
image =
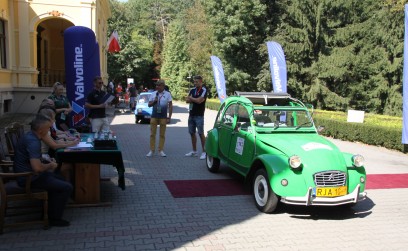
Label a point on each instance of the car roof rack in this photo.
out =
(268, 98)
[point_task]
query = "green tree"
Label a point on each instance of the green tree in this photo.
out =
(340, 53)
(136, 56)
(176, 66)
(200, 40)
(239, 28)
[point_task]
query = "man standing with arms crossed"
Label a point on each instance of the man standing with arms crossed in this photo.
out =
(196, 99)
(160, 100)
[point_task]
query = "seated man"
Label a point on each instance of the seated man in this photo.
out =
(28, 159)
(48, 104)
(50, 143)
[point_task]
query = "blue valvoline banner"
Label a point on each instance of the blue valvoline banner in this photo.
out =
(405, 83)
(81, 66)
(278, 67)
(219, 78)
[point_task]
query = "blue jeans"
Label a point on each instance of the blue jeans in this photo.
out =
(196, 122)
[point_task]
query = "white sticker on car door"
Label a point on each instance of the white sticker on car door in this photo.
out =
(240, 145)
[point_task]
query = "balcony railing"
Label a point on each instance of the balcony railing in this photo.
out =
(47, 77)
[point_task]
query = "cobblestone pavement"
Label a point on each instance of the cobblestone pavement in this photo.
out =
(146, 217)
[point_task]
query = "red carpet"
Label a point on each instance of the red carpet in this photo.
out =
(204, 188)
(387, 181)
(230, 187)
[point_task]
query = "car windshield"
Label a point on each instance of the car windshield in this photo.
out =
(143, 98)
(282, 118)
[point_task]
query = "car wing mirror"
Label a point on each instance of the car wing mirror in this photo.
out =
(237, 127)
(320, 129)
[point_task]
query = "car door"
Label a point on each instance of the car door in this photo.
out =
(225, 131)
(241, 149)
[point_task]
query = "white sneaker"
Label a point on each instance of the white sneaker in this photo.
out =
(203, 156)
(161, 153)
(191, 154)
(149, 154)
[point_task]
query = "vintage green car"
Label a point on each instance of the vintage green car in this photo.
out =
(271, 140)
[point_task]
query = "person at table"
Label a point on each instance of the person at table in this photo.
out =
(160, 100)
(47, 103)
(97, 107)
(56, 133)
(52, 139)
(50, 143)
(28, 159)
(62, 107)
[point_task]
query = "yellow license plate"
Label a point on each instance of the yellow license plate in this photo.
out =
(331, 191)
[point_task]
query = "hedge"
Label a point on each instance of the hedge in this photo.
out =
(378, 130)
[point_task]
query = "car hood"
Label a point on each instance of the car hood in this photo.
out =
(313, 149)
(142, 105)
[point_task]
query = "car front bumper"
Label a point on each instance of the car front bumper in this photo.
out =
(143, 114)
(309, 199)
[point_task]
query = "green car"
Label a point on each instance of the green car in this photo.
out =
(271, 140)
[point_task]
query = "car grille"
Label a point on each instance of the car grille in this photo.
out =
(330, 179)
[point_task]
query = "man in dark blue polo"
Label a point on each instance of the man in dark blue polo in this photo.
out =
(97, 107)
(28, 159)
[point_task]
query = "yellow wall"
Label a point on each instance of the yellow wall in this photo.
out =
(5, 79)
(22, 19)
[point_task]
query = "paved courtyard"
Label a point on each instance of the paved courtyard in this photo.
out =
(146, 217)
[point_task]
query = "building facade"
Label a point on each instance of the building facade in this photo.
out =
(32, 46)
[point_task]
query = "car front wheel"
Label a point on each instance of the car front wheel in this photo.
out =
(265, 199)
(213, 164)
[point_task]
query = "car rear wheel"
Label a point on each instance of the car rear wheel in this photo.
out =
(265, 199)
(213, 164)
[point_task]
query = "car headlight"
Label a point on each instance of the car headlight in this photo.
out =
(358, 160)
(295, 162)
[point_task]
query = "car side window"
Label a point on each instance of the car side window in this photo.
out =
(243, 121)
(219, 117)
(228, 117)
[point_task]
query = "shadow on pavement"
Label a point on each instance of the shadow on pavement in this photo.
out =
(146, 216)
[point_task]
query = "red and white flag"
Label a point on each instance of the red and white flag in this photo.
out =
(113, 43)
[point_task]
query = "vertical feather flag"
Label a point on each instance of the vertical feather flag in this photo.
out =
(278, 67)
(113, 43)
(405, 83)
(219, 78)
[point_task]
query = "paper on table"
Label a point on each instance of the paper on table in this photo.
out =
(82, 145)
